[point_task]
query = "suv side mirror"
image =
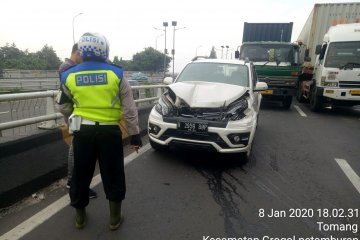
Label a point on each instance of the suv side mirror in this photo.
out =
(168, 80)
(237, 54)
(260, 86)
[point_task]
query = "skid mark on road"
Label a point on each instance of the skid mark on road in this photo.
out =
(226, 190)
(349, 172)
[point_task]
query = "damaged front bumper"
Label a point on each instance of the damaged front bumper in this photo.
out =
(223, 137)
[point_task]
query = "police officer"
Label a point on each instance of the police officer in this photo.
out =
(101, 97)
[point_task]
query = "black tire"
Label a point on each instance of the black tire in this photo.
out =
(158, 147)
(287, 102)
(315, 101)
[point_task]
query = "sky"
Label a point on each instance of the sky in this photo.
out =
(129, 25)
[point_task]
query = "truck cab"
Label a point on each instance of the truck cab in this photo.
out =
(276, 63)
(336, 79)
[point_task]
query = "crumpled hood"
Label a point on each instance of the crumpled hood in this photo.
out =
(207, 94)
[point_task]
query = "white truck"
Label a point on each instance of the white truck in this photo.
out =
(333, 44)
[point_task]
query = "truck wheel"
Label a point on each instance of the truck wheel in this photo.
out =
(158, 147)
(315, 101)
(287, 102)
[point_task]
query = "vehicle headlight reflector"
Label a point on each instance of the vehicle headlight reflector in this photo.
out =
(236, 110)
(161, 107)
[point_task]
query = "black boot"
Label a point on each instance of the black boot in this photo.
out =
(115, 215)
(80, 218)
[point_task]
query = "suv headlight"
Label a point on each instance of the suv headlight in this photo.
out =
(161, 107)
(236, 110)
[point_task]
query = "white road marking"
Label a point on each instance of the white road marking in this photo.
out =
(349, 172)
(28, 225)
(4, 112)
(301, 112)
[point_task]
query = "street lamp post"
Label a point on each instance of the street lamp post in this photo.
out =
(73, 25)
(222, 52)
(227, 49)
(174, 23)
(165, 24)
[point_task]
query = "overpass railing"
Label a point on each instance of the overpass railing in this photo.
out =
(26, 109)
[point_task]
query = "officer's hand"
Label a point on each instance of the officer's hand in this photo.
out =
(135, 142)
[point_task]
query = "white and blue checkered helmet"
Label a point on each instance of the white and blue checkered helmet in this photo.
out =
(94, 45)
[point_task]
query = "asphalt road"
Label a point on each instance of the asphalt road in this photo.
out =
(186, 194)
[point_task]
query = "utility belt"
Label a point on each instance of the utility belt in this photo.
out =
(76, 121)
(89, 122)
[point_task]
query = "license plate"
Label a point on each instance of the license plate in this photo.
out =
(355, 92)
(265, 92)
(193, 127)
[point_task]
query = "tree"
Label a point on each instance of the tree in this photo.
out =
(13, 58)
(151, 60)
(49, 57)
(213, 53)
(127, 65)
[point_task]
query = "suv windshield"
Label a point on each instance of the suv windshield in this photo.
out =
(267, 53)
(215, 72)
(340, 54)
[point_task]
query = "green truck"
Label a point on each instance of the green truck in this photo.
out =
(276, 59)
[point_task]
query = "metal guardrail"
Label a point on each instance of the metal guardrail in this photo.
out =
(51, 115)
(46, 83)
(29, 84)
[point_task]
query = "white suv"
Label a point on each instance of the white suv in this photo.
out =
(213, 103)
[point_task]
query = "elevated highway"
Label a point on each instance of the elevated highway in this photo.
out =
(302, 183)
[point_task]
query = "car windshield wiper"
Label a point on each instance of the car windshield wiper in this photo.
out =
(266, 63)
(349, 65)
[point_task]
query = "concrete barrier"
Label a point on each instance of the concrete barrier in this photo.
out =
(34, 162)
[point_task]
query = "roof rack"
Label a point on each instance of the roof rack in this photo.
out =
(199, 57)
